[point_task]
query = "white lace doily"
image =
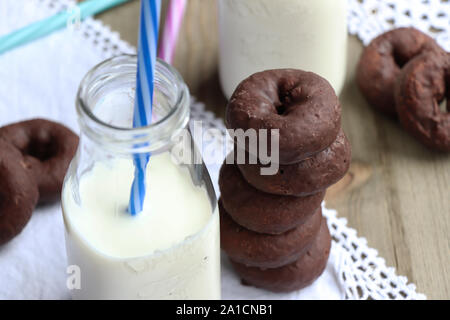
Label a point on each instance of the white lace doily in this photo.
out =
(361, 272)
(369, 18)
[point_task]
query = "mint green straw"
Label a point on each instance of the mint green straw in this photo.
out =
(45, 27)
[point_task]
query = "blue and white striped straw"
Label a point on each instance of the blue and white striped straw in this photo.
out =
(147, 49)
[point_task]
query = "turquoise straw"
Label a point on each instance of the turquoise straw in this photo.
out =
(45, 27)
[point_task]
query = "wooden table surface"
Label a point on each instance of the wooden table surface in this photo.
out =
(396, 193)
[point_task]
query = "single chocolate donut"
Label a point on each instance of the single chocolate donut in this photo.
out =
(264, 250)
(381, 63)
(18, 193)
(305, 177)
(296, 275)
(421, 87)
(47, 148)
(262, 212)
(302, 105)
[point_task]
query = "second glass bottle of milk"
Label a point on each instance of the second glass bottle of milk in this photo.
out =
(264, 34)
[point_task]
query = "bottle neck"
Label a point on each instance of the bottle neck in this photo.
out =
(105, 106)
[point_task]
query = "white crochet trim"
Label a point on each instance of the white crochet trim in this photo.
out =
(362, 273)
(99, 35)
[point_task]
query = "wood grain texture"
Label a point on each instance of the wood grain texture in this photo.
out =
(397, 193)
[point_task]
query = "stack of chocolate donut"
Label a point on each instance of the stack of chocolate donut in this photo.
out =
(271, 225)
(34, 157)
(405, 73)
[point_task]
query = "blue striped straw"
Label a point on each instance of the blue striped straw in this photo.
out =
(143, 102)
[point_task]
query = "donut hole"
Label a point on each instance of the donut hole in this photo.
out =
(444, 102)
(281, 109)
(283, 96)
(41, 149)
(399, 58)
(444, 105)
(288, 95)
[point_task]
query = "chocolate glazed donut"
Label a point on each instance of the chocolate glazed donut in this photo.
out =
(18, 193)
(262, 212)
(264, 250)
(47, 148)
(296, 275)
(306, 177)
(422, 86)
(302, 105)
(382, 61)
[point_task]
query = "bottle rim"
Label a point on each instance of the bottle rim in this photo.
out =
(141, 139)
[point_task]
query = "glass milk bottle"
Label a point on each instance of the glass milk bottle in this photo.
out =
(170, 250)
(258, 35)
